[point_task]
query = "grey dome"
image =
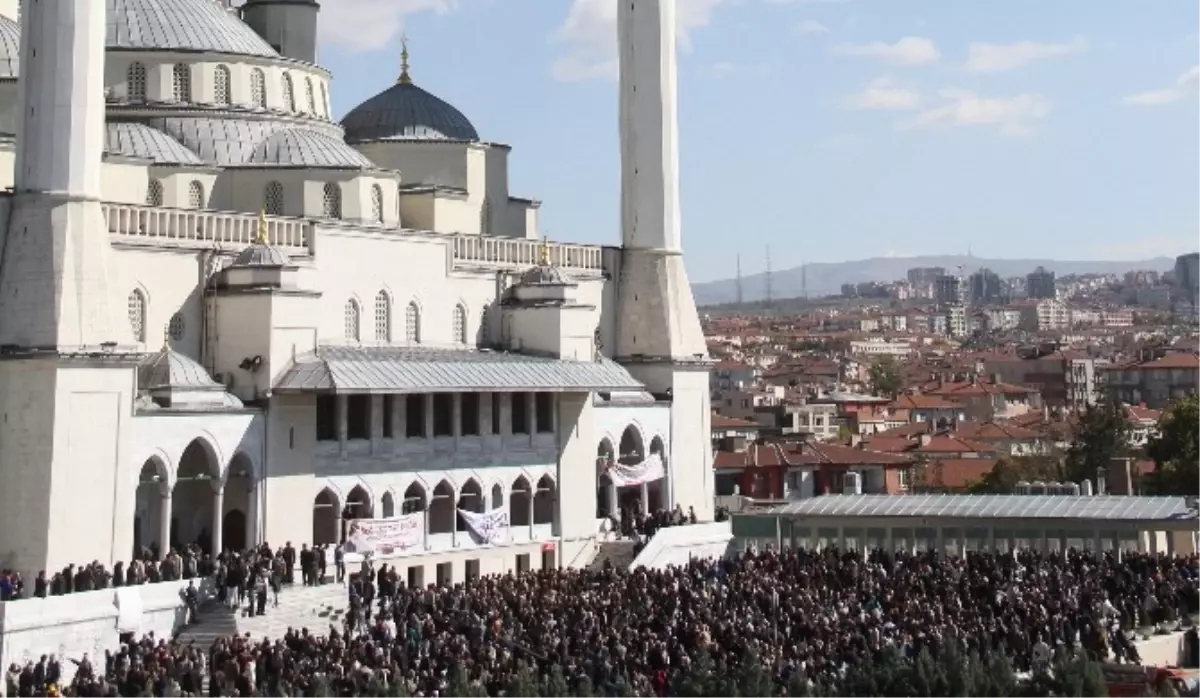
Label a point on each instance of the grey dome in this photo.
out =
(139, 140)
(170, 370)
(299, 147)
(189, 25)
(546, 275)
(262, 255)
(10, 47)
(405, 111)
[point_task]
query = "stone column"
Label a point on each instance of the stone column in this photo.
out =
(164, 525)
(218, 515)
(339, 403)
(252, 508)
(428, 399)
(532, 499)
(645, 498)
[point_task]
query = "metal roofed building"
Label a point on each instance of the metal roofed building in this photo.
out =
(959, 522)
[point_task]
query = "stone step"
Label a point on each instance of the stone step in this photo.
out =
(620, 553)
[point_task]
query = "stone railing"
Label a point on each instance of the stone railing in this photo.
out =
(204, 228)
(513, 253)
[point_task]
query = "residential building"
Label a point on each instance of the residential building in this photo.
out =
(1062, 378)
(985, 287)
(1155, 382)
(1039, 284)
(880, 347)
(1187, 276)
(1042, 315)
(989, 399)
(946, 289)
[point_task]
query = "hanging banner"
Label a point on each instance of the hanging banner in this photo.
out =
(385, 536)
(491, 527)
(648, 470)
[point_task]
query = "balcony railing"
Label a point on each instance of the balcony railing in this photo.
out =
(510, 253)
(207, 228)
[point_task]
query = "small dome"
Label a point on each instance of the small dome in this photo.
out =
(10, 48)
(142, 141)
(299, 147)
(262, 255)
(546, 275)
(170, 370)
(405, 111)
(172, 25)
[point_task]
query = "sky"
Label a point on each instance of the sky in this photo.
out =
(831, 130)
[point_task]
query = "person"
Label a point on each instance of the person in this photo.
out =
(192, 601)
(339, 563)
(261, 583)
(308, 565)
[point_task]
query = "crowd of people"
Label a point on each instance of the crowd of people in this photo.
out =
(802, 622)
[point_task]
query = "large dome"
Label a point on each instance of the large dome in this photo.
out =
(188, 25)
(405, 111)
(10, 47)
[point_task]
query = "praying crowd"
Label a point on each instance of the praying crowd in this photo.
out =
(795, 622)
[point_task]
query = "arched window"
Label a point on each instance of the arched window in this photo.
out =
(460, 324)
(485, 219)
(137, 315)
(485, 325)
(332, 205)
(376, 203)
(258, 88)
(273, 199)
(135, 78)
(289, 96)
(195, 194)
(352, 320)
(181, 88)
(154, 193)
(310, 96)
(325, 100)
(412, 323)
(383, 317)
(221, 91)
(175, 327)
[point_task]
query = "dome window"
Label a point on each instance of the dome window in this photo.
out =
(383, 317)
(181, 88)
(137, 315)
(325, 100)
(289, 95)
(460, 324)
(136, 82)
(332, 204)
(352, 320)
(195, 194)
(258, 88)
(221, 92)
(154, 193)
(376, 203)
(273, 199)
(310, 96)
(412, 323)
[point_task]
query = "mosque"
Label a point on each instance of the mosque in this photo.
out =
(228, 318)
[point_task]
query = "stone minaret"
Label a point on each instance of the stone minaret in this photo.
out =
(658, 330)
(66, 382)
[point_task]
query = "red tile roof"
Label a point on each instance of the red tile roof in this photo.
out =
(944, 443)
(958, 473)
(924, 402)
(720, 421)
(988, 431)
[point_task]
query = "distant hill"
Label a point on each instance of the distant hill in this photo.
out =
(827, 278)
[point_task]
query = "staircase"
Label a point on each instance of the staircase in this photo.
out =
(619, 552)
(315, 608)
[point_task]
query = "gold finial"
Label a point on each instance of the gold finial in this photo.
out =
(544, 252)
(167, 337)
(261, 239)
(405, 78)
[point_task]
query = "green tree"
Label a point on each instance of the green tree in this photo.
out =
(886, 376)
(1101, 435)
(1004, 476)
(1176, 449)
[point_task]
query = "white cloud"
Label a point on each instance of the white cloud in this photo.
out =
(882, 93)
(911, 50)
(997, 58)
(1013, 116)
(811, 26)
(363, 25)
(1184, 85)
(590, 35)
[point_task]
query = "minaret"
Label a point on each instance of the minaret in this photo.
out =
(658, 330)
(66, 382)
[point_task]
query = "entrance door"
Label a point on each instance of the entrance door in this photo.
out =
(233, 531)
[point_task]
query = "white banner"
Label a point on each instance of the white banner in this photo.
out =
(491, 527)
(385, 536)
(648, 470)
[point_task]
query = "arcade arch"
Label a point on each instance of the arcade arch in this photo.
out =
(152, 509)
(194, 496)
(326, 519)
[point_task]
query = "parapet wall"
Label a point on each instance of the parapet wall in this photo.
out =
(676, 545)
(89, 622)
